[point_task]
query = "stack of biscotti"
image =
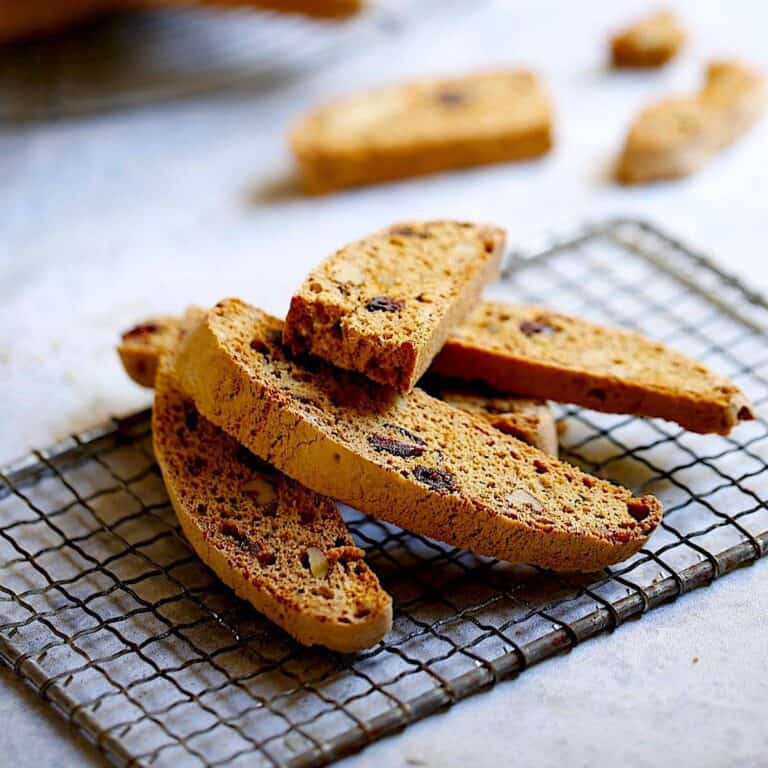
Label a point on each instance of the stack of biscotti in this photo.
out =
(330, 400)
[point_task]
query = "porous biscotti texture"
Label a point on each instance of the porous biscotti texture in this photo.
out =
(422, 127)
(531, 421)
(142, 346)
(384, 305)
(650, 42)
(281, 547)
(412, 460)
(677, 136)
(535, 352)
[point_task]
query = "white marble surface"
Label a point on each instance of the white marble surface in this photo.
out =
(109, 218)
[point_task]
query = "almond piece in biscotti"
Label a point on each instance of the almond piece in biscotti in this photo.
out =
(385, 304)
(535, 352)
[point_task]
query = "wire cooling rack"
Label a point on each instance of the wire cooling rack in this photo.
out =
(107, 614)
(129, 59)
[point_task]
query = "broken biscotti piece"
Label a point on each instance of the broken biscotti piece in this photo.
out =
(650, 42)
(409, 459)
(384, 305)
(676, 136)
(535, 352)
(531, 421)
(281, 547)
(422, 127)
(528, 420)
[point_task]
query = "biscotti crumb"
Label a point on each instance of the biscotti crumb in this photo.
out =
(384, 305)
(422, 127)
(649, 42)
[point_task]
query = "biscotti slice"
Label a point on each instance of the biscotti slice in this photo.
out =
(649, 42)
(384, 305)
(281, 547)
(535, 352)
(422, 127)
(677, 136)
(412, 460)
(528, 420)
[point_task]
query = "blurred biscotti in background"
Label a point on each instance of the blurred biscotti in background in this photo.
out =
(22, 19)
(676, 136)
(650, 42)
(422, 127)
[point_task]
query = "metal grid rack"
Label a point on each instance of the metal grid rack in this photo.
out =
(133, 58)
(108, 615)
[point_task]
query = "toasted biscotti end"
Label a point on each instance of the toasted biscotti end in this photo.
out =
(412, 460)
(535, 352)
(281, 547)
(142, 346)
(650, 42)
(422, 127)
(385, 304)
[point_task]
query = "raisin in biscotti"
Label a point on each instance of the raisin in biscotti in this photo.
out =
(281, 547)
(384, 305)
(677, 136)
(410, 459)
(422, 127)
(528, 420)
(650, 42)
(535, 352)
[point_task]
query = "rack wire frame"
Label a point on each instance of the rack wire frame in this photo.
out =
(108, 615)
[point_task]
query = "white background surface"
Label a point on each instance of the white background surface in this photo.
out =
(107, 219)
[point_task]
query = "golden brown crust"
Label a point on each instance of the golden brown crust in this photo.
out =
(649, 42)
(384, 305)
(409, 459)
(422, 127)
(535, 352)
(676, 136)
(281, 547)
